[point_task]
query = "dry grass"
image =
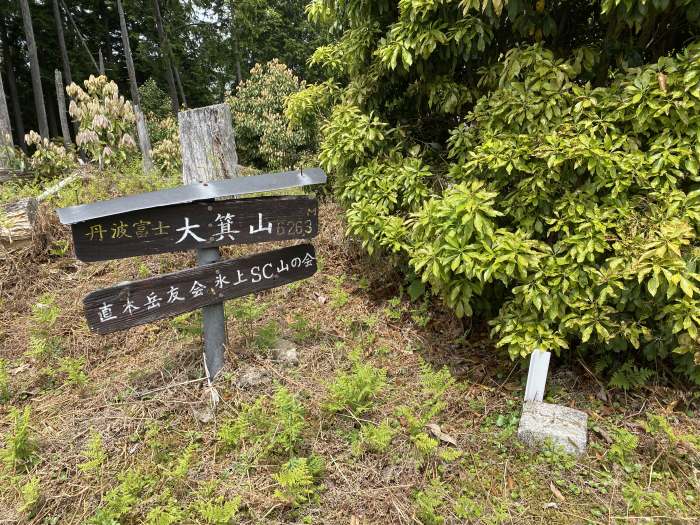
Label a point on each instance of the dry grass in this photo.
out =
(139, 397)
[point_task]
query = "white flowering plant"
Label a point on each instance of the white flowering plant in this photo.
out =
(105, 119)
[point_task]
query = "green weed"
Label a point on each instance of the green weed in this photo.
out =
(356, 390)
(296, 480)
(20, 448)
(624, 445)
(373, 438)
(303, 329)
(218, 511)
(168, 514)
(73, 370)
(119, 501)
(94, 454)
(266, 336)
(339, 297)
(4, 382)
(31, 497)
(269, 425)
(429, 501)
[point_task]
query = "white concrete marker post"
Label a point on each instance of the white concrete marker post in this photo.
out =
(541, 422)
(537, 376)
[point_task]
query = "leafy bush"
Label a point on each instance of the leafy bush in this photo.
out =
(106, 120)
(155, 103)
(546, 181)
(49, 159)
(264, 137)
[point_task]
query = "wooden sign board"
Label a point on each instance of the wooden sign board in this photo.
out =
(140, 302)
(205, 224)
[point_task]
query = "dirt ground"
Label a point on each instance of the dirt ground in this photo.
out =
(134, 404)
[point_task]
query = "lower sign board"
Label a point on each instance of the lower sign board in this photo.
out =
(140, 302)
(193, 225)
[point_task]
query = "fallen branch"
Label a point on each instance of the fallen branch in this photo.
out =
(58, 187)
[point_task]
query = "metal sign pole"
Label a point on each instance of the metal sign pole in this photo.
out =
(213, 321)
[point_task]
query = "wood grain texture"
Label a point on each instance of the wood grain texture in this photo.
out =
(208, 144)
(141, 302)
(17, 221)
(216, 223)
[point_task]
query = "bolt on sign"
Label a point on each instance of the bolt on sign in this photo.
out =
(187, 218)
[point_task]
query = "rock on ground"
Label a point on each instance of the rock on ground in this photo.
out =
(285, 353)
(562, 425)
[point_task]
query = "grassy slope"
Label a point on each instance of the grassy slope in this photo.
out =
(351, 307)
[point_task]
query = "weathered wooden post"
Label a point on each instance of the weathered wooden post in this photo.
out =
(61, 99)
(208, 154)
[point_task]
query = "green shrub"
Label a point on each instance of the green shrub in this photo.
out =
(264, 137)
(545, 181)
(155, 104)
(49, 160)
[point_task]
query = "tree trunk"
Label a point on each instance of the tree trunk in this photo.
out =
(62, 42)
(141, 129)
(166, 58)
(234, 39)
(16, 108)
(80, 37)
(208, 144)
(102, 62)
(144, 140)
(179, 83)
(36, 72)
(6, 145)
(127, 54)
(61, 99)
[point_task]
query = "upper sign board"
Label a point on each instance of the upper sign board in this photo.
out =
(184, 227)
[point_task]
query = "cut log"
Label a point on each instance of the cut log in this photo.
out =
(17, 223)
(208, 144)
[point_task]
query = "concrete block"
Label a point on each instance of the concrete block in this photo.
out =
(562, 425)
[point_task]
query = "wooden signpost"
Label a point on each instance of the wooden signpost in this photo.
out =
(198, 216)
(140, 302)
(197, 225)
